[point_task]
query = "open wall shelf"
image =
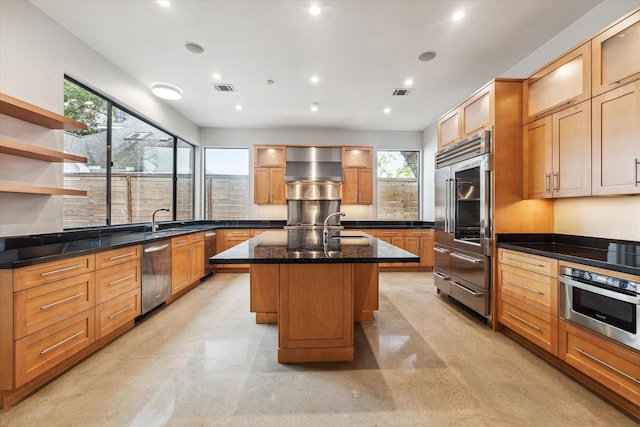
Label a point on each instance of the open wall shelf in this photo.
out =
(14, 107)
(31, 189)
(32, 152)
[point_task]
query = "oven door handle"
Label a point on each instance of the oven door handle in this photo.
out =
(600, 291)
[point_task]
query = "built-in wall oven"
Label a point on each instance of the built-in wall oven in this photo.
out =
(463, 221)
(602, 303)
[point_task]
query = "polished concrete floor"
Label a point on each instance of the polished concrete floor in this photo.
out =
(203, 361)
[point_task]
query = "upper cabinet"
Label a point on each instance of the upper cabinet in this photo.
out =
(564, 82)
(269, 156)
(449, 128)
(24, 111)
(615, 55)
(616, 141)
(357, 157)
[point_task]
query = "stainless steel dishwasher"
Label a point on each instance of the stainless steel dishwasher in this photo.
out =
(156, 274)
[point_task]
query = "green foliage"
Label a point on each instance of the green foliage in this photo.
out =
(85, 107)
(398, 164)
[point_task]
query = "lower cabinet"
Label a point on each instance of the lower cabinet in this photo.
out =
(611, 364)
(228, 238)
(187, 261)
(416, 241)
(527, 297)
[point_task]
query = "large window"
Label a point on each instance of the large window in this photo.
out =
(398, 185)
(226, 183)
(131, 167)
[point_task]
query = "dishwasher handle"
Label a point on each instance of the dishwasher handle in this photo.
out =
(156, 248)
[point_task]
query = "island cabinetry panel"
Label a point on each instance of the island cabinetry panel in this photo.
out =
(118, 279)
(557, 154)
(228, 238)
(365, 291)
(187, 261)
(315, 320)
(615, 366)
(614, 54)
(564, 82)
(616, 141)
(264, 279)
(527, 297)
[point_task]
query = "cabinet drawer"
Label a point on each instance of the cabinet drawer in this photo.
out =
(412, 232)
(537, 264)
(116, 280)
(390, 233)
(611, 364)
(196, 237)
(34, 275)
(117, 312)
(42, 306)
(535, 325)
(117, 256)
(40, 351)
(536, 290)
(237, 233)
(178, 241)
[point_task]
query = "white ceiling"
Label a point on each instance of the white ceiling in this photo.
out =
(362, 50)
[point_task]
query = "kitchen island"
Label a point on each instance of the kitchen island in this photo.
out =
(314, 288)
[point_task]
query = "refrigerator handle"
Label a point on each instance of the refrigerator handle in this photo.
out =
(446, 206)
(452, 205)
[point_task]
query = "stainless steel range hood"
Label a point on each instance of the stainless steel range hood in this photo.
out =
(314, 164)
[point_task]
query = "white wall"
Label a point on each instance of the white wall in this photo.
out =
(35, 54)
(394, 140)
(429, 148)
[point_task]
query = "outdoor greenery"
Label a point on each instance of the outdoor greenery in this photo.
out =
(85, 107)
(398, 164)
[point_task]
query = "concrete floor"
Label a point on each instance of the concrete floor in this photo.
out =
(203, 361)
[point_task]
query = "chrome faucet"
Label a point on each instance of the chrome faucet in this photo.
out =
(154, 226)
(325, 230)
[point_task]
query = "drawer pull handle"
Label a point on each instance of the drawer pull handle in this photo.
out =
(440, 276)
(121, 256)
(73, 267)
(72, 297)
(520, 319)
(543, 112)
(466, 258)
(118, 313)
(115, 282)
(526, 288)
(636, 75)
(475, 294)
(441, 251)
(595, 359)
(537, 264)
(64, 341)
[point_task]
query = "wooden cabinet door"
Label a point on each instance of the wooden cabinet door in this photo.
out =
(357, 157)
(571, 129)
(350, 187)
(270, 156)
(537, 167)
(615, 57)
(196, 265)
(449, 128)
(278, 188)
(365, 186)
(179, 268)
(616, 141)
(476, 112)
(564, 82)
(261, 186)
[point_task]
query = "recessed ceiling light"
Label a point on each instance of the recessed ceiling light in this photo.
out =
(315, 10)
(193, 47)
(387, 110)
(314, 107)
(315, 80)
(239, 107)
(216, 76)
(166, 91)
(408, 82)
(164, 3)
(458, 15)
(427, 56)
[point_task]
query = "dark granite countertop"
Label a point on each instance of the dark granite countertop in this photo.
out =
(22, 251)
(306, 247)
(616, 255)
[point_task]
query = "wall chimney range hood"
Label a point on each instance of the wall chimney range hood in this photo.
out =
(315, 164)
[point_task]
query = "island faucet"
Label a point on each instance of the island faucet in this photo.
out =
(154, 226)
(325, 230)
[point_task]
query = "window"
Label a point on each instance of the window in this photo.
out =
(398, 185)
(131, 167)
(226, 183)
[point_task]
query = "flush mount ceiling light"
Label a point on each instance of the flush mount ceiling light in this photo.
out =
(458, 15)
(427, 56)
(193, 47)
(315, 80)
(166, 91)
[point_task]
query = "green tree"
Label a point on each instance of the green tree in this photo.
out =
(85, 107)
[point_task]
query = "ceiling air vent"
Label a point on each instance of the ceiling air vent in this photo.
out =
(401, 92)
(224, 88)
